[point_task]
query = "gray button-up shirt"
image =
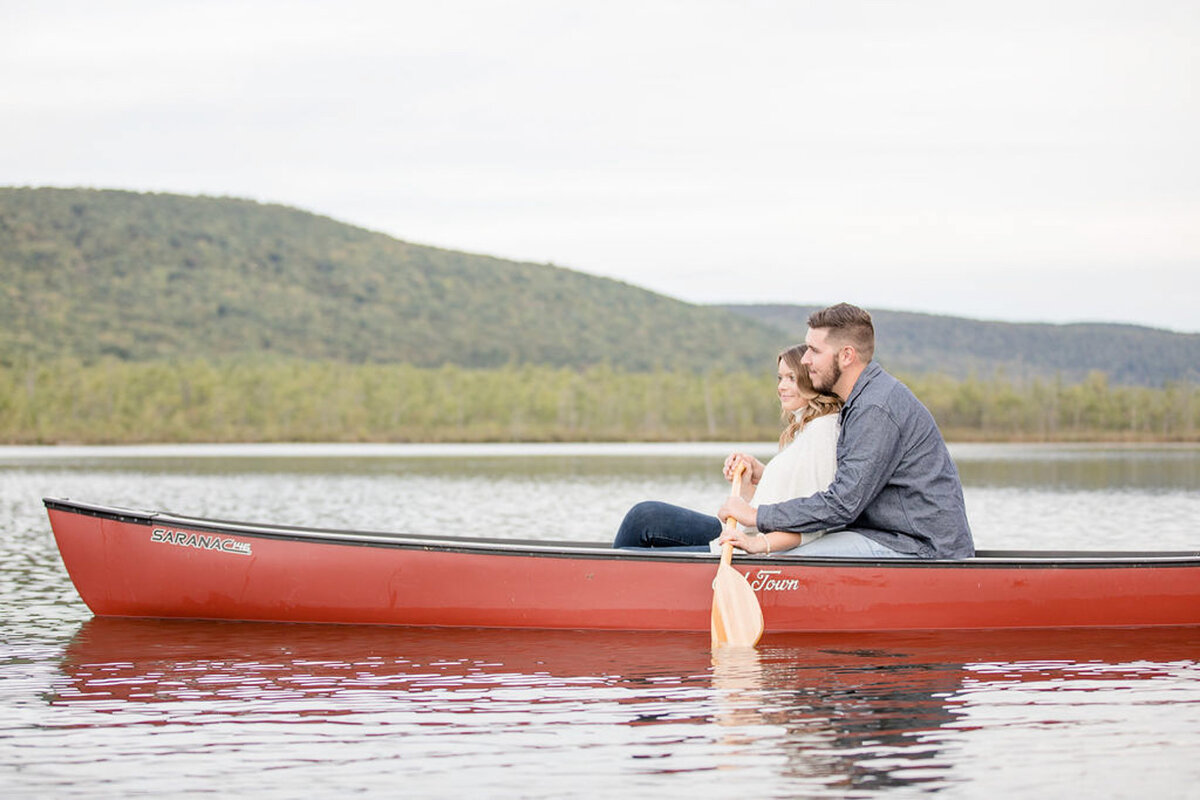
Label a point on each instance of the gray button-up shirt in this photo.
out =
(895, 484)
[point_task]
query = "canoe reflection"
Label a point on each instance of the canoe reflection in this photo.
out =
(149, 660)
(844, 708)
(144, 660)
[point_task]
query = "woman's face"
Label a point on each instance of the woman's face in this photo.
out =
(789, 391)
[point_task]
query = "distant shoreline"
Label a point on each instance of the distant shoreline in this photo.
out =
(567, 445)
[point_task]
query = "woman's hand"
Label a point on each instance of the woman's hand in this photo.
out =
(754, 467)
(742, 541)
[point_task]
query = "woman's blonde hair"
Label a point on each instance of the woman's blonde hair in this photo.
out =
(818, 403)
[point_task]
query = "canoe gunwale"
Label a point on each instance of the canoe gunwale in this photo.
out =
(984, 559)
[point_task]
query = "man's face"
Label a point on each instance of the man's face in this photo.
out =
(821, 358)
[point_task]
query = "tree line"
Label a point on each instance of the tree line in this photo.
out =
(256, 400)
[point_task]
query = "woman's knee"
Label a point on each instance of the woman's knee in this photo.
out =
(639, 521)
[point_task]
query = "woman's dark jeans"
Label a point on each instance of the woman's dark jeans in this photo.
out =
(655, 524)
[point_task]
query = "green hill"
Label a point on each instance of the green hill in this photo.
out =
(91, 274)
(148, 276)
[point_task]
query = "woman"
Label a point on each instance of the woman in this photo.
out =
(804, 465)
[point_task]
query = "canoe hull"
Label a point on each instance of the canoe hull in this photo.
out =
(143, 564)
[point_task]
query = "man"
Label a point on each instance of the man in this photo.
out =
(896, 492)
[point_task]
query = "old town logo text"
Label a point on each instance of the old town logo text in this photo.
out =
(765, 581)
(200, 541)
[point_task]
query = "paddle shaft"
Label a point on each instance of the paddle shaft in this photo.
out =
(735, 491)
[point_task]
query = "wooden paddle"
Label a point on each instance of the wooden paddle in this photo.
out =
(737, 619)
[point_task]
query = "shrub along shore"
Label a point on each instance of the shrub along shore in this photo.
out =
(240, 400)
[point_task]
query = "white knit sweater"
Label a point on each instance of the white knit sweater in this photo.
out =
(804, 467)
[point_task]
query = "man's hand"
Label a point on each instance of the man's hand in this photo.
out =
(740, 510)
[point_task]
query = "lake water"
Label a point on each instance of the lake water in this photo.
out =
(127, 708)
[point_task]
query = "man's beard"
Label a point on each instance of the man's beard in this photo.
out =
(834, 376)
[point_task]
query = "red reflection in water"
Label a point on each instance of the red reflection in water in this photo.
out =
(831, 705)
(165, 660)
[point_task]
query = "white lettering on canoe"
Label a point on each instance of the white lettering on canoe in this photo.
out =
(200, 541)
(765, 581)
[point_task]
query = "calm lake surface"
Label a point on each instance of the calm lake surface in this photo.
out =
(127, 708)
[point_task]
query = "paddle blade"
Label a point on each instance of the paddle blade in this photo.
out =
(737, 619)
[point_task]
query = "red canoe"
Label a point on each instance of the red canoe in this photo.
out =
(128, 563)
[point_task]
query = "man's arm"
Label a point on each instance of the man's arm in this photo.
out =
(868, 455)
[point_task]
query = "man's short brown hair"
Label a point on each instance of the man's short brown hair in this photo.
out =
(847, 324)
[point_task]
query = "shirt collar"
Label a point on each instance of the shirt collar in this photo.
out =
(872, 370)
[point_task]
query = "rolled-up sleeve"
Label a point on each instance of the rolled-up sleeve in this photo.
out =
(869, 451)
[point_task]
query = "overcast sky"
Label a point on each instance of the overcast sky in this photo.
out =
(1023, 160)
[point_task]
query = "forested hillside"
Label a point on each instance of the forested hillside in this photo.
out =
(131, 317)
(959, 348)
(139, 277)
